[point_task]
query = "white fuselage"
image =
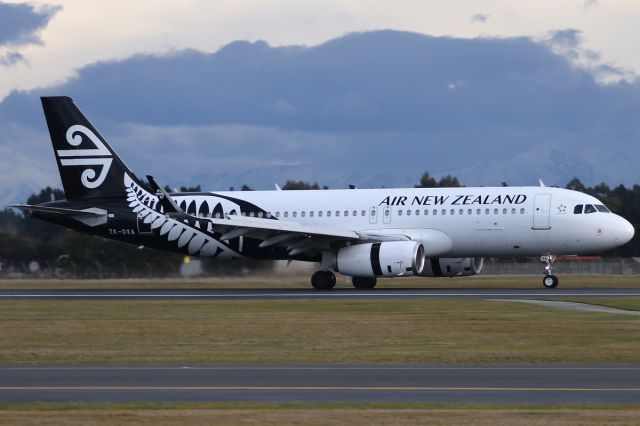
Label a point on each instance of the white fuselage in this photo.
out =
(481, 221)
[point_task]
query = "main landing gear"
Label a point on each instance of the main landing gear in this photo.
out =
(549, 280)
(326, 280)
(363, 283)
(323, 280)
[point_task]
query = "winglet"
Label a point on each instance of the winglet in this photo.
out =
(542, 183)
(167, 203)
(278, 187)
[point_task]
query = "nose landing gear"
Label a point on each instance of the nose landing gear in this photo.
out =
(549, 280)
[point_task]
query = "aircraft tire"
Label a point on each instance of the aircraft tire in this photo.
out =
(363, 283)
(323, 280)
(550, 281)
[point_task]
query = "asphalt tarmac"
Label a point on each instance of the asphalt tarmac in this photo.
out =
(310, 294)
(551, 384)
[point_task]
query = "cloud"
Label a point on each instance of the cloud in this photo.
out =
(11, 58)
(479, 18)
(379, 105)
(569, 44)
(590, 3)
(20, 22)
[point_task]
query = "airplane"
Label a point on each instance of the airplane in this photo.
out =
(362, 233)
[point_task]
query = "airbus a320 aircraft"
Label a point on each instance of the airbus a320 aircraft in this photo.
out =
(362, 233)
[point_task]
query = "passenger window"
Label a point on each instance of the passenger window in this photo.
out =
(504, 211)
(452, 211)
(469, 212)
(399, 212)
(328, 213)
(302, 214)
(277, 214)
(346, 213)
(513, 211)
(444, 212)
(435, 212)
(426, 212)
(363, 213)
(286, 214)
(577, 209)
(522, 210)
(320, 213)
(408, 212)
(417, 212)
(311, 213)
(355, 213)
(337, 213)
(495, 211)
(486, 211)
(478, 211)
(260, 214)
(588, 208)
(217, 215)
(460, 212)
(294, 214)
(387, 212)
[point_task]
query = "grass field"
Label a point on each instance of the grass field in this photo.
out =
(313, 331)
(322, 414)
(302, 281)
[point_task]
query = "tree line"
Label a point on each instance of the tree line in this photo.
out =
(24, 239)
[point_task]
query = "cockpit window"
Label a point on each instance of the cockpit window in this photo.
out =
(602, 209)
(588, 208)
(577, 209)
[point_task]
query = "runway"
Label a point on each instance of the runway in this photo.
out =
(324, 383)
(310, 294)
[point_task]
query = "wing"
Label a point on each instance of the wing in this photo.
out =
(297, 237)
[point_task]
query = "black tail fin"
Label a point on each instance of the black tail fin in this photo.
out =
(88, 167)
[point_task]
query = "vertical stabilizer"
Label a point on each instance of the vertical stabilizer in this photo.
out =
(88, 167)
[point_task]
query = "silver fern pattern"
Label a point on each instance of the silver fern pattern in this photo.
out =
(186, 236)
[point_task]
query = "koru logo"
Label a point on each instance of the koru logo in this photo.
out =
(98, 156)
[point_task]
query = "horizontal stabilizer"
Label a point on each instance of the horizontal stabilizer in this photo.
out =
(59, 211)
(91, 217)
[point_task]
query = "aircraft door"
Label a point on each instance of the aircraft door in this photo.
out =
(386, 214)
(143, 228)
(373, 215)
(542, 211)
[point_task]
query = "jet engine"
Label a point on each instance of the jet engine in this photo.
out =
(452, 267)
(385, 259)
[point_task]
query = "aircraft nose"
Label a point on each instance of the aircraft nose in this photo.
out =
(624, 231)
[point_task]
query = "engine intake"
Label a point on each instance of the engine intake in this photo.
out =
(386, 259)
(453, 267)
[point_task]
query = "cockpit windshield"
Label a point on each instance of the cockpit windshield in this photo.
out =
(590, 208)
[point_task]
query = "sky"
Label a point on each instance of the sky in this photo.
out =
(368, 92)
(81, 32)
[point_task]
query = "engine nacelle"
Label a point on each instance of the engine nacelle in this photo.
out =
(452, 267)
(386, 259)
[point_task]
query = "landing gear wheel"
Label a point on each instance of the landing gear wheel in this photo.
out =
(323, 280)
(362, 283)
(550, 281)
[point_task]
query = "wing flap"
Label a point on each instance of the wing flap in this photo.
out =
(240, 222)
